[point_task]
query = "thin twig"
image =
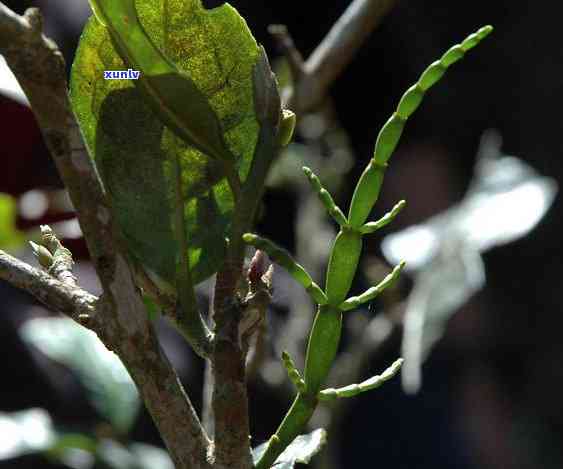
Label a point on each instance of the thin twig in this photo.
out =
(121, 319)
(332, 55)
(207, 417)
(340, 45)
(229, 397)
(56, 295)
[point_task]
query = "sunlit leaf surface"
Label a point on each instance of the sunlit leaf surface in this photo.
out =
(505, 201)
(134, 150)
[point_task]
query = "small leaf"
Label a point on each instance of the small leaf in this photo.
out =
(111, 389)
(25, 432)
(301, 450)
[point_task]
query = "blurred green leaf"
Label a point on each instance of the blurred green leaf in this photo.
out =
(110, 387)
(25, 432)
(10, 237)
(74, 450)
(73, 440)
(301, 450)
(133, 149)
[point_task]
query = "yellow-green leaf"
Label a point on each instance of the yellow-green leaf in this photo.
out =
(10, 237)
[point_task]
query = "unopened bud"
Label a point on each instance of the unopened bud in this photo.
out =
(42, 254)
(257, 267)
(287, 126)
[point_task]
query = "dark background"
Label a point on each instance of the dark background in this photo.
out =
(492, 391)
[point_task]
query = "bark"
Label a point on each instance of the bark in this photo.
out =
(120, 319)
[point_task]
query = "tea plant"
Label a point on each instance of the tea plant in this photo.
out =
(167, 195)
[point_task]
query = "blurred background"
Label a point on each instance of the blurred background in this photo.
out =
(492, 386)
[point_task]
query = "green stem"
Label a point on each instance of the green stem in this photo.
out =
(322, 348)
(342, 265)
(296, 418)
(325, 334)
(229, 398)
(369, 185)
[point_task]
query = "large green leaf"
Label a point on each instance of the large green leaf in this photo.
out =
(132, 147)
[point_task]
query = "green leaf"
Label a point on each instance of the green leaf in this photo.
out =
(301, 450)
(10, 237)
(25, 432)
(111, 389)
(74, 450)
(194, 56)
(165, 88)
